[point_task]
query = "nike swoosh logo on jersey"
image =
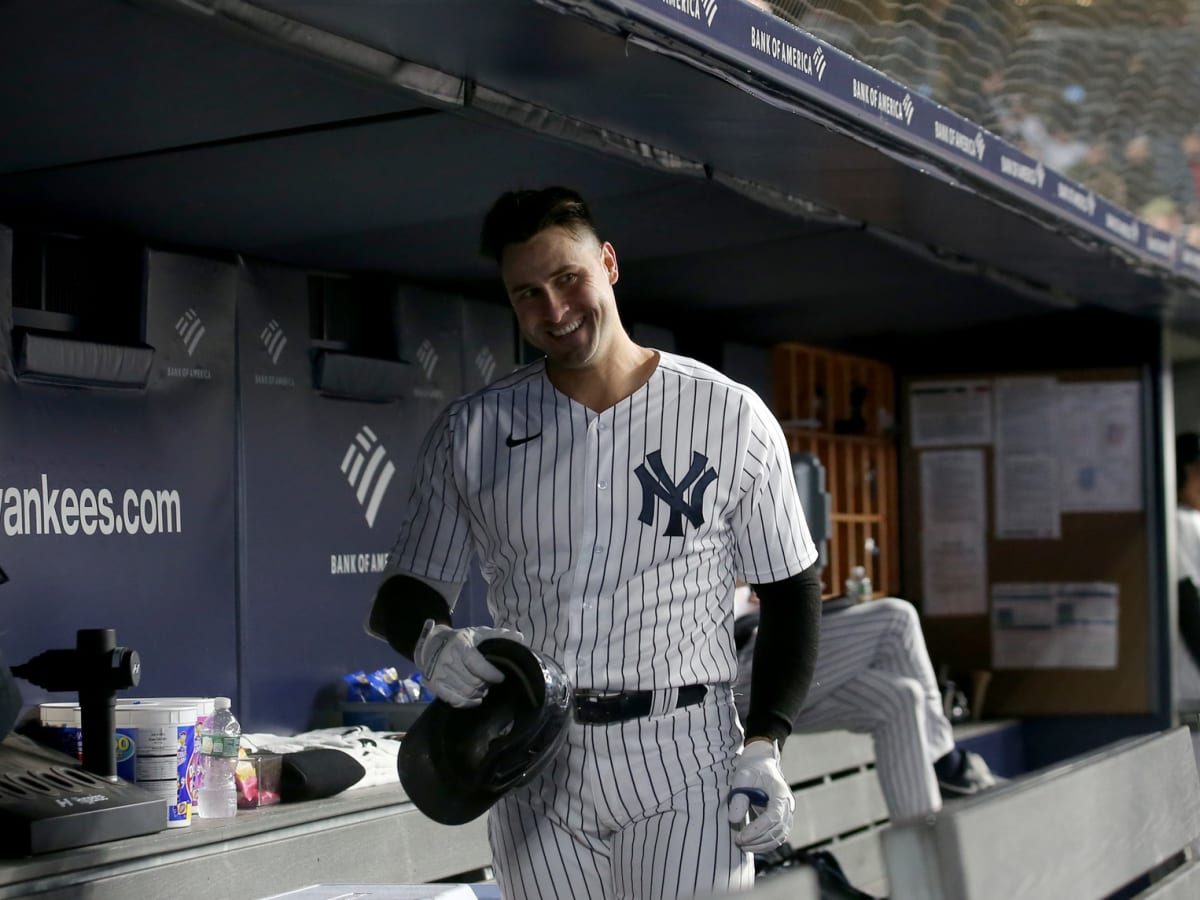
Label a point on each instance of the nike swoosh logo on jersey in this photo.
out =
(511, 441)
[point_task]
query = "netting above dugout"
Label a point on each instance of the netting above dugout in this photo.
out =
(1104, 91)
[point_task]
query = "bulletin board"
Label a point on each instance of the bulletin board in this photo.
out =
(1110, 547)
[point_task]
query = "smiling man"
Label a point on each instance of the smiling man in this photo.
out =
(613, 493)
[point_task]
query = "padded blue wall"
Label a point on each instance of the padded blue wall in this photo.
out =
(170, 595)
(325, 485)
(262, 592)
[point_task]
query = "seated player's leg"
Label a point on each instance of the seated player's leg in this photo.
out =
(902, 650)
(888, 634)
(890, 708)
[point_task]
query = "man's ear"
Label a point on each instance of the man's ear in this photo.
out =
(608, 256)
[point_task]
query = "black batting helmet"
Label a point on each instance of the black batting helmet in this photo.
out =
(455, 762)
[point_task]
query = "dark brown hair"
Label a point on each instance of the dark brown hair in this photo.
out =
(519, 215)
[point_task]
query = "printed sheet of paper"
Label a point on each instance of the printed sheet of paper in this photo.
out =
(1026, 458)
(953, 533)
(1087, 625)
(950, 413)
(1022, 625)
(1027, 497)
(1100, 455)
(1055, 625)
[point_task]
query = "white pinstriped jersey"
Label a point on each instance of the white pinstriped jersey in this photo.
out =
(611, 540)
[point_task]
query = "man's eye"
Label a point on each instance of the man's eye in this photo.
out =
(569, 278)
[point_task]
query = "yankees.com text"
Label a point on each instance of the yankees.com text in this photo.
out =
(48, 511)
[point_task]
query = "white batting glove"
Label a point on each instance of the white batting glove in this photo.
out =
(758, 782)
(451, 666)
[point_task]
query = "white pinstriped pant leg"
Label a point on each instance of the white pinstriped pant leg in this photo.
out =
(536, 856)
(672, 835)
(873, 674)
(631, 811)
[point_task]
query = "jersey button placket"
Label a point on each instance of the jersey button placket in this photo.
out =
(588, 550)
(603, 503)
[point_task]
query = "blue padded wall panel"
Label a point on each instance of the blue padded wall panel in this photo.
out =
(431, 330)
(324, 490)
(125, 515)
(489, 337)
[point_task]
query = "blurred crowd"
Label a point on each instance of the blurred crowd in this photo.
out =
(1103, 91)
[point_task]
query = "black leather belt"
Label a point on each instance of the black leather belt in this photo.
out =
(598, 708)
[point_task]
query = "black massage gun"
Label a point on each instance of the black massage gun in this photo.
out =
(97, 668)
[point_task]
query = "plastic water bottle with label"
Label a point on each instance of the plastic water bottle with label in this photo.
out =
(216, 797)
(858, 585)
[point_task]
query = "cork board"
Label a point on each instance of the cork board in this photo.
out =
(1096, 546)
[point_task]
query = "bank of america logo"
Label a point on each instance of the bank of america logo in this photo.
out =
(907, 105)
(1040, 171)
(710, 10)
(427, 358)
(369, 471)
(274, 340)
(191, 329)
(818, 61)
(980, 146)
(486, 364)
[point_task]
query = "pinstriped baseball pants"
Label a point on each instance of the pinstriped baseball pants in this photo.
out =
(873, 674)
(629, 810)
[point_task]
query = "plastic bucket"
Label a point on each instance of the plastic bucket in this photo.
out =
(163, 746)
(204, 709)
(155, 744)
(63, 732)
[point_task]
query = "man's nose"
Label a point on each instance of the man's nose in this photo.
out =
(554, 305)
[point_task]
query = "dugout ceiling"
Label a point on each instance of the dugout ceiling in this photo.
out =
(373, 135)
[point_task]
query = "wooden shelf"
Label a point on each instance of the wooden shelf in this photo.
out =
(841, 408)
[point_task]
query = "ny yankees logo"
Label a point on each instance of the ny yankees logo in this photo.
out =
(661, 486)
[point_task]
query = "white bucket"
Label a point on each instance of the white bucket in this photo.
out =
(155, 745)
(67, 736)
(166, 739)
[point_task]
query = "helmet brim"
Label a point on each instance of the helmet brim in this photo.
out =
(456, 762)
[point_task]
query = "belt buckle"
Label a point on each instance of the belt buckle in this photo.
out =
(594, 697)
(602, 707)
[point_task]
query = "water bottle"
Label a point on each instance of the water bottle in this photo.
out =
(216, 798)
(858, 585)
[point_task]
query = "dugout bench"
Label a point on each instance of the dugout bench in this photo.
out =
(1123, 820)
(839, 804)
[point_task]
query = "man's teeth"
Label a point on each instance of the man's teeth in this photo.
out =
(562, 332)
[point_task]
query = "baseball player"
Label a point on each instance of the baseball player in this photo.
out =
(1187, 533)
(611, 492)
(873, 675)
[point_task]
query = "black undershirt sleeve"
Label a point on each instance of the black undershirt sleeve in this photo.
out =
(785, 653)
(1189, 617)
(402, 604)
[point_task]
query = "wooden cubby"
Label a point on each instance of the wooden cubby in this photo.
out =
(841, 408)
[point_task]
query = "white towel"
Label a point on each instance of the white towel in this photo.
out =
(375, 751)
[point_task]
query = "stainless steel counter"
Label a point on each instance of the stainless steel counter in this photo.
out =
(367, 835)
